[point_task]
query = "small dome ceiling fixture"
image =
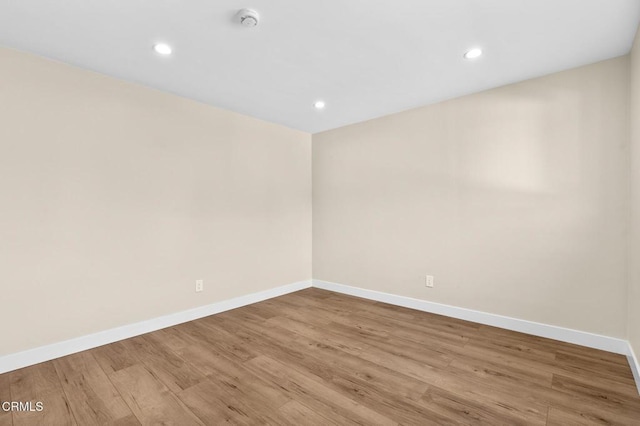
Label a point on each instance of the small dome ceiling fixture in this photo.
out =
(162, 49)
(248, 17)
(319, 104)
(473, 53)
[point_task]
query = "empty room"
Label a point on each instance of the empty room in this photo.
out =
(410, 212)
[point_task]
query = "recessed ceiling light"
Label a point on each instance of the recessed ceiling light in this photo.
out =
(162, 49)
(319, 104)
(473, 54)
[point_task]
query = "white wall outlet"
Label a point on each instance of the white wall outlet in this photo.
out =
(199, 286)
(429, 281)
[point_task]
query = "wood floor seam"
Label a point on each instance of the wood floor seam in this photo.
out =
(116, 388)
(65, 394)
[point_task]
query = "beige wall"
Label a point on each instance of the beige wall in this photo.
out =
(515, 199)
(115, 198)
(634, 263)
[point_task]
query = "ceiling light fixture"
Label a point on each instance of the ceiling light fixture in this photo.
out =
(319, 104)
(473, 53)
(162, 49)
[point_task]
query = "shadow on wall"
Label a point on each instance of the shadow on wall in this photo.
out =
(534, 162)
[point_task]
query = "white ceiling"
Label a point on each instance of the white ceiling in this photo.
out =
(365, 58)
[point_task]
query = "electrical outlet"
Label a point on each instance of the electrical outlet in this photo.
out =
(199, 286)
(429, 282)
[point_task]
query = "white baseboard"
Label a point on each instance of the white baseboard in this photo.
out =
(610, 344)
(56, 350)
(635, 366)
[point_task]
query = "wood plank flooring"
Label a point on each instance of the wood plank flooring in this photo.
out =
(319, 358)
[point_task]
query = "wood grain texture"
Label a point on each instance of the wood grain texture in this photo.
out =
(5, 395)
(92, 397)
(40, 383)
(149, 399)
(319, 358)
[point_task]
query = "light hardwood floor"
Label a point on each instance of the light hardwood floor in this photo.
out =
(318, 358)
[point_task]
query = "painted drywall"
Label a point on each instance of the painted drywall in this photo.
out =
(115, 198)
(634, 237)
(515, 199)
